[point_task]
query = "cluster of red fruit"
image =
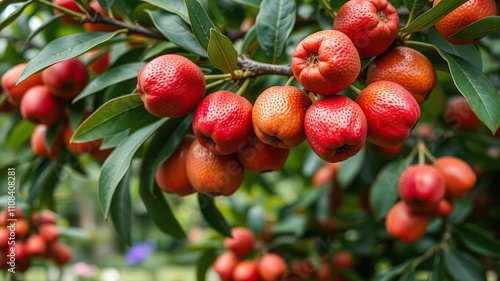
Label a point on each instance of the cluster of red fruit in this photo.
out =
(427, 191)
(22, 239)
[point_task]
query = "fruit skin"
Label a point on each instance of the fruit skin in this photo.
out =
(36, 245)
(372, 25)
(38, 143)
(71, 5)
(246, 271)
(170, 86)
(421, 187)
(48, 232)
(459, 114)
(171, 175)
(43, 217)
(259, 157)
(458, 175)
(224, 265)
(467, 13)
(222, 122)
(22, 228)
(391, 112)
(99, 64)
(406, 67)
(241, 241)
(9, 80)
(271, 267)
(444, 208)
(66, 79)
(405, 224)
(212, 174)
(59, 252)
(39, 106)
(326, 62)
(342, 260)
(335, 128)
(78, 147)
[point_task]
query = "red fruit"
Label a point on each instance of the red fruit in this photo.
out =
(99, 27)
(38, 143)
(271, 267)
(224, 265)
(78, 147)
(43, 217)
(16, 92)
(4, 238)
(36, 245)
(326, 62)
(391, 112)
(458, 175)
(22, 228)
(444, 208)
(327, 173)
(246, 271)
(342, 260)
(39, 106)
(459, 114)
(49, 232)
(405, 224)
(170, 86)
(390, 151)
(259, 157)
(66, 79)
(99, 61)
(324, 272)
(421, 187)
(222, 122)
(335, 128)
(372, 25)
(241, 241)
(71, 5)
(59, 252)
(302, 269)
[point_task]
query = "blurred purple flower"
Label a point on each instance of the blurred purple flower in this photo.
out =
(139, 252)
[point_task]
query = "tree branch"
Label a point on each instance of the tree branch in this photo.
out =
(260, 68)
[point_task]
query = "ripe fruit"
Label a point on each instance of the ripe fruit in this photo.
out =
(406, 67)
(4, 238)
(22, 228)
(170, 86)
(36, 245)
(42, 217)
(224, 265)
(71, 5)
(59, 252)
(49, 232)
(444, 208)
(39, 106)
(99, 61)
(271, 267)
(171, 175)
(421, 187)
(278, 116)
(222, 122)
(99, 27)
(405, 224)
(259, 157)
(78, 147)
(16, 92)
(458, 175)
(391, 112)
(66, 79)
(327, 173)
(39, 145)
(212, 174)
(324, 272)
(459, 114)
(372, 25)
(342, 260)
(326, 62)
(335, 128)
(246, 271)
(467, 13)
(241, 241)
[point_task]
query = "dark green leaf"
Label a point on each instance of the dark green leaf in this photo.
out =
(19, 134)
(274, 23)
(110, 77)
(177, 31)
(408, 276)
(203, 264)
(120, 210)
(414, 6)
(467, 52)
(221, 52)
(256, 219)
(118, 162)
(65, 48)
(13, 16)
(212, 215)
(350, 168)
(252, 3)
(249, 40)
(312, 195)
(200, 22)
(51, 135)
(439, 270)
(478, 240)
(463, 267)
(393, 272)
(480, 28)
(176, 7)
(461, 210)
(46, 179)
(293, 224)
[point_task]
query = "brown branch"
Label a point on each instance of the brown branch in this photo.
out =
(260, 68)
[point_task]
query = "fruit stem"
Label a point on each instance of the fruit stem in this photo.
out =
(217, 76)
(290, 80)
(244, 86)
(216, 83)
(421, 152)
(419, 44)
(354, 90)
(62, 9)
(259, 68)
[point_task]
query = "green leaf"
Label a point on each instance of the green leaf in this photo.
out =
(177, 31)
(46, 23)
(252, 3)
(118, 162)
(212, 215)
(113, 76)
(479, 29)
(120, 210)
(274, 23)
(256, 219)
(119, 114)
(414, 6)
(350, 168)
(13, 16)
(384, 192)
(5, 3)
(432, 16)
(64, 48)
(468, 52)
(312, 195)
(461, 210)
(439, 270)
(293, 224)
(408, 276)
(46, 179)
(221, 52)
(249, 40)
(200, 22)
(393, 272)
(462, 266)
(204, 263)
(478, 240)
(19, 134)
(175, 7)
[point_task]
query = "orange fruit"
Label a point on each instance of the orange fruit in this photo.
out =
(59, 252)
(459, 177)
(259, 157)
(39, 106)
(372, 25)
(78, 147)
(9, 80)
(99, 61)
(278, 116)
(38, 143)
(271, 267)
(170, 86)
(66, 79)
(246, 270)
(467, 13)
(335, 128)
(35, 245)
(241, 241)
(406, 67)
(326, 62)
(212, 174)
(459, 114)
(391, 112)
(171, 175)
(224, 265)
(403, 223)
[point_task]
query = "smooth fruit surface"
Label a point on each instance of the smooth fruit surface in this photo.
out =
(71, 5)
(66, 79)
(35, 245)
(259, 157)
(39, 106)
(342, 260)
(9, 80)
(459, 114)
(271, 267)
(78, 147)
(213, 174)
(278, 116)
(222, 122)
(391, 112)
(405, 224)
(241, 241)
(59, 252)
(458, 175)
(224, 265)
(170, 85)
(49, 232)
(246, 271)
(467, 13)
(406, 67)
(39, 144)
(335, 128)
(372, 25)
(326, 62)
